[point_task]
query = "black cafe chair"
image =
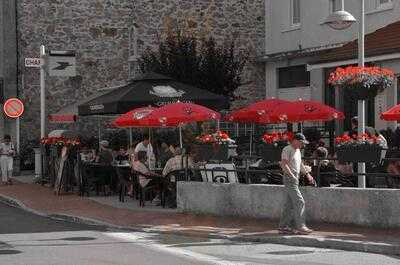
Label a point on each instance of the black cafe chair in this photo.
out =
(144, 191)
(124, 181)
(170, 185)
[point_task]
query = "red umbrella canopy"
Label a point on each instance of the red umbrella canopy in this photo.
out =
(254, 112)
(175, 114)
(393, 114)
(134, 118)
(301, 110)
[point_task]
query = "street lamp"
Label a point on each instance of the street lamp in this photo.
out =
(341, 20)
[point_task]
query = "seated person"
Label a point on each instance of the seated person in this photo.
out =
(104, 156)
(146, 146)
(140, 166)
(325, 167)
(122, 155)
(177, 162)
(394, 169)
(165, 154)
(86, 155)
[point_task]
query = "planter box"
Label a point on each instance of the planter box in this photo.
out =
(221, 152)
(207, 152)
(361, 153)
(271, 153)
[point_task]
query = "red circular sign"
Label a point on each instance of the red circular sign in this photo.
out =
(13, 108)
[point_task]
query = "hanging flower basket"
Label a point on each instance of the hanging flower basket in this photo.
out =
(362, 82)
(358, 149)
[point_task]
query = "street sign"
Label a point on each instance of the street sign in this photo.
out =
(13, 108)
(33, 62)
(62, 63)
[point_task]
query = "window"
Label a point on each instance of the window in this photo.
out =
(295, 12)
(383, 3)
(294, 76)
(335, 5)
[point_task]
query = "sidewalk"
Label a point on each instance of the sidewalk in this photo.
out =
(108, 210)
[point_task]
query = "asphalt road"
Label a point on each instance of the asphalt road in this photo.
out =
(27, 239)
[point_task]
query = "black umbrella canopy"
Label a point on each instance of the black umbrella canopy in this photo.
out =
(150, 89)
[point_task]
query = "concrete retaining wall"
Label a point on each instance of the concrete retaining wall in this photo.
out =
(367, 207)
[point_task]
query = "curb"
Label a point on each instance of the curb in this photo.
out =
(300, 241)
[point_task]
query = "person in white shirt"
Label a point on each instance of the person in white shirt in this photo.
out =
(293, 213)
(145, 146)
(6, 160)
(177, 162)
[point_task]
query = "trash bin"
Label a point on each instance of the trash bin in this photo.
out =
(38, 162)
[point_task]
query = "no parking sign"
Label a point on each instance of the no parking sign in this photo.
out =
(13, 108)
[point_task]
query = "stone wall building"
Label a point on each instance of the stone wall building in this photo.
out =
(109, 35)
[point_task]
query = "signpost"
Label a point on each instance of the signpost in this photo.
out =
(57, 63)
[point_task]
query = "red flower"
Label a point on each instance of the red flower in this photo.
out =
(277, 137)
(367, 76)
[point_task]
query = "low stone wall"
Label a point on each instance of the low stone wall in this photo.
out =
(366, 207)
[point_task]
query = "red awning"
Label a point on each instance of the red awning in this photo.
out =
(63, 118)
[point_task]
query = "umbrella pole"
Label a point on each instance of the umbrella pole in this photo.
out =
(130, 137)
(237, 129)
(180, 137)
(99, 130)
(251, 138)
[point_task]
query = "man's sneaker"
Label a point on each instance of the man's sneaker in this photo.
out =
(285, 230)
(303, 231)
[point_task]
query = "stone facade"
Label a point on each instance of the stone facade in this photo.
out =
(106, 33)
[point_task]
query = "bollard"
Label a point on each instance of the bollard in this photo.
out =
(38, 162)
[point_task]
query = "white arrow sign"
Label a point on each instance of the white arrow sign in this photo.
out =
(62, 63)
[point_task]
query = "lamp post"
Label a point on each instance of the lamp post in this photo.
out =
(340, 20)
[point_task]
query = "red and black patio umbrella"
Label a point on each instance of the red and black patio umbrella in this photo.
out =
(134, 118)
(171, 115)
(150, 89)
(254, 112)
(300, 111)
(393, 114)
(176, 114)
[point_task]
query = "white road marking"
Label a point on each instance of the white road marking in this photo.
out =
(141, 239)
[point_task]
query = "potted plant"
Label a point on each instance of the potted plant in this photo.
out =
(271, 150)
(362, 82)
(358, 148)
(213, 146)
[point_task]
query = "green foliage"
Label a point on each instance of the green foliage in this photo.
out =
(204, 63)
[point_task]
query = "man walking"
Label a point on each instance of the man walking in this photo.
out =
(293, 214)
(6, 160)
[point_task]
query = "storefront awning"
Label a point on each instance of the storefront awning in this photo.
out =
(380, 45)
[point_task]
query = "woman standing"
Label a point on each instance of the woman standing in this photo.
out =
(6, 160)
